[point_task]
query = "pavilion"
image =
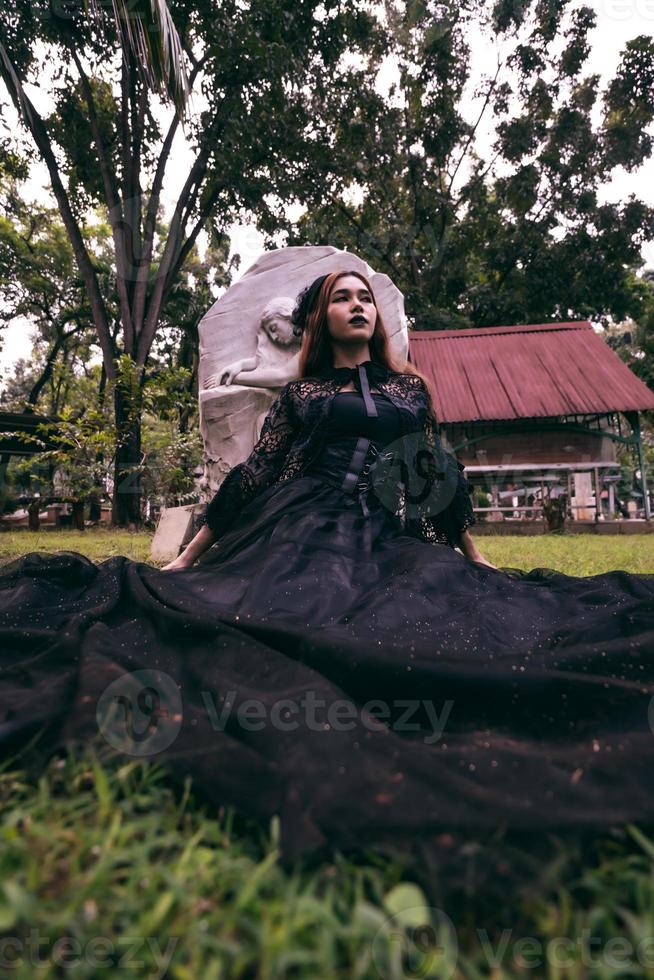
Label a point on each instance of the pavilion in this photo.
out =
(538, 403)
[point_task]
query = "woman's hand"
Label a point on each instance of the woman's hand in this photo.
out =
(483, 561)
(177, 564)
(202, 540)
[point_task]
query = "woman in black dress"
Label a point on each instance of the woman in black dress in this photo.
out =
(331, 658)
(341, 325)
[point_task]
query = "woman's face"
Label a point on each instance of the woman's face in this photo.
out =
(351, 313)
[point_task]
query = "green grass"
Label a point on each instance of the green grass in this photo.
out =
(146, 880)
(95, 544)
(99, 851)
(574, 554)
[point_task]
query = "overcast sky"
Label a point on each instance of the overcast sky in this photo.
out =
(618, 22)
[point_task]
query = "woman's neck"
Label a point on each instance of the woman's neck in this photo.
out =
(351, 357)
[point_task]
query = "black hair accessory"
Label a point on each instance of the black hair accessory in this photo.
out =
(304, 302)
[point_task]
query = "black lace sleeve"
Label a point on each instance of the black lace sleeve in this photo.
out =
(447, 525)
(245, 480)
(458, 515)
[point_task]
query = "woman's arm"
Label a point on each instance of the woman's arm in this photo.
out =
(202, 540)
(471, 551)
(245, 480)
(452, 522)
(249, 478)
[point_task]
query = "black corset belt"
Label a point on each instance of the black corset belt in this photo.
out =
(350, 471)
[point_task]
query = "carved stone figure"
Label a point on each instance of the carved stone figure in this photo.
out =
(271, 366)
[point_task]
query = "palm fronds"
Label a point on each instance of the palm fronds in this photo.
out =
(146, 28)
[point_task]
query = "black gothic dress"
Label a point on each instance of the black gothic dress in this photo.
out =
(321, 665)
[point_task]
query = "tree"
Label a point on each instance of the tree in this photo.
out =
(516, 234)
(69, 466)
(633, 339)
(253, 62)
(39, 283)
(63, 377)
(174, 448)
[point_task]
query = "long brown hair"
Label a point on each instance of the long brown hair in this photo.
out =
(317, 353)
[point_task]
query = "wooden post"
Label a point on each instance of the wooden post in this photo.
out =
(634, 421)
(598, 498)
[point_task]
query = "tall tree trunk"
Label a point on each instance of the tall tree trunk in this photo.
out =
(188, 357)
(78, 515)
(95, 507)
(33, 519)
(126, 506)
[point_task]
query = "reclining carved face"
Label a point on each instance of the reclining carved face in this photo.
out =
(276, 321)
(276, 358)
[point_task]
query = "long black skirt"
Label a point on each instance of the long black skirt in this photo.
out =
(322, 666)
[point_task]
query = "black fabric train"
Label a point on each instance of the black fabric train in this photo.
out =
(331, 663)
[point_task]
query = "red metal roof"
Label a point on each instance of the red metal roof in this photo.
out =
(534, 371)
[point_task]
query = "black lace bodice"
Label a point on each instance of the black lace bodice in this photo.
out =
(349, 418)
(303, 417)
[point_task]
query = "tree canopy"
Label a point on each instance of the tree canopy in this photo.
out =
(519, 234)
(480, 195)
